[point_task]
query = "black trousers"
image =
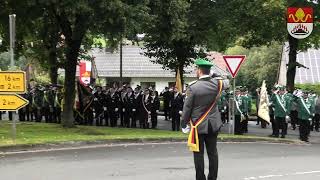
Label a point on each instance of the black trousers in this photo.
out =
(122, 116)
(37, 114)
(113, 118)
(315, 122)
(134, 117)
(106, 117)
(244, 124)
(210, 140)
(22, 116)
(223, 117)
(280, 123)
(237, 125)
(127, 116)
(47, 113)
(175, 121)
(272, 120)
(143, 120)
(99, 117)
(294, 119)
(57, 115)
(304, 129)
(166, 111)
(154, 120)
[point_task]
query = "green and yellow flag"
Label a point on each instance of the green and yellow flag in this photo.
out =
(263, 111)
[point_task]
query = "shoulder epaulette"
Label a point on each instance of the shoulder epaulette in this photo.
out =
(218, 78)
(193, 82)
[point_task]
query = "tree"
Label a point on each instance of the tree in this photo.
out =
(175, 35)
(261, 22)
(261, 64)
(75, 20)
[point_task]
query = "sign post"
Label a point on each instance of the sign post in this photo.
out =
(234, 63)
(12, 82)
(12, 24)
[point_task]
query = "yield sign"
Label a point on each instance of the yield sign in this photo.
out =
(234, 63)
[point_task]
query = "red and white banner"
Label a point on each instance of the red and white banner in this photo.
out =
(85, 72)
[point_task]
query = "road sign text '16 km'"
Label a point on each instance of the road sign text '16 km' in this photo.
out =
(13, 82)
(233, 63)
(12, 102)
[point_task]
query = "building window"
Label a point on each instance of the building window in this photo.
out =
(148, 84)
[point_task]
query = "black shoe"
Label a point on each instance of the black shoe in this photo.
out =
(283, 136)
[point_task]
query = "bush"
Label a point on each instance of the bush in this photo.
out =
(309, 87)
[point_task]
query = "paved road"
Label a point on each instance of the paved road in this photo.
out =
(247, 161)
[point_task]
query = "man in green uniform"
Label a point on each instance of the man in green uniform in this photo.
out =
(47, 104)
(57, 106)
(222, 105)
(289, 99)
(305, 116)
(238, 112)
(280, 112)
(245, 109)
(37, 101)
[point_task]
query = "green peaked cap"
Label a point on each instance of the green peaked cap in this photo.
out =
(203, 62)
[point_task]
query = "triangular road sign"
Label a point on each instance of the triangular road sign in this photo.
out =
(233, 63)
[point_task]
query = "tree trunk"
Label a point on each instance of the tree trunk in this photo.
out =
(291, 72)
(53, 75)
(53, 70)
(69, 84)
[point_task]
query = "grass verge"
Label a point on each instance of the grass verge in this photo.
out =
(40, 133)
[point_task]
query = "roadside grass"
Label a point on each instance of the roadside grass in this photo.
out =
(29, 133)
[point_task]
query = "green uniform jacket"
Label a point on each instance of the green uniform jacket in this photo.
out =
(305, 111)
(244, 106)
(239, 102)
(279, 106)
(313, 101)
(289, 99)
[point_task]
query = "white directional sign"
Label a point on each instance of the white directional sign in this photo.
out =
(233, 63)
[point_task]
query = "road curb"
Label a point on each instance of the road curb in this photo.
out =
(74, 144)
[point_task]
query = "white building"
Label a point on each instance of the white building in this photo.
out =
(310, 59)
(138, 69)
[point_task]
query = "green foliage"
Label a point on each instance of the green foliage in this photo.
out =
(176, 31)
(237, 50)
(261, 64)
(4, 61)
(309, 87)
(42, 78)
(20, 63)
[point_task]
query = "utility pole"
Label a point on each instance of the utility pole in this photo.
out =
(12, 29)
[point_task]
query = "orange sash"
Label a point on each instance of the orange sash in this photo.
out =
(193, 139)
